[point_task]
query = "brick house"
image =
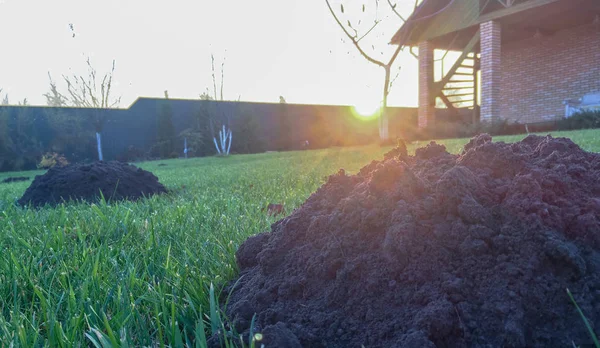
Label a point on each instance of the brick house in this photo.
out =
(518, 59)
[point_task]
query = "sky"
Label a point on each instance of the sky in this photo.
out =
(272, 48)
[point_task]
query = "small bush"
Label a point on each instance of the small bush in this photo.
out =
(20, 140)
(132, 154)
(439, 130)
(443, 129)
(52, 159)
(195, 142)
(157, 151)
(581, 120)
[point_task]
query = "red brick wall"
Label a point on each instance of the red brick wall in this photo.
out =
(491, 71)
(426, 101)
(538, 74)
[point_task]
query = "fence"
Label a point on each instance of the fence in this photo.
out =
(26, 132)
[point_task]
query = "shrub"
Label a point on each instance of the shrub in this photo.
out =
(439, 130)
(52, 159)
(157, 151)
(70, 133)
(448, 129)
(195, 142)
(581, 120)
(132, 154)
(20, 145)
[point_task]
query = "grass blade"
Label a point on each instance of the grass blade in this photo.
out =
(214, 315)
(587, 323)
(200, 335)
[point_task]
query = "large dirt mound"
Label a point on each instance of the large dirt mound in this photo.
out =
(435, 250)
(116, 181)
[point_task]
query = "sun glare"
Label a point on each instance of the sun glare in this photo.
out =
(366, 110)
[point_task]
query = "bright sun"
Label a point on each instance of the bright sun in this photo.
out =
(366, 109)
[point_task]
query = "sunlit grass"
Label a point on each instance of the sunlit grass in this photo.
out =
(140, 273)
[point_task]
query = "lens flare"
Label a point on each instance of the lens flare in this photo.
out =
(366, 110)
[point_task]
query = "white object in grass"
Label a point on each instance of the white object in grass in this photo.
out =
(185, 149)
(99, 144)
(224, 144)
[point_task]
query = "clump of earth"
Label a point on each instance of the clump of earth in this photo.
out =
(433, 250)
(88, 182)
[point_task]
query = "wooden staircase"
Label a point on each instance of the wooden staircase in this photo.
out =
(458, 87)
(461, 89)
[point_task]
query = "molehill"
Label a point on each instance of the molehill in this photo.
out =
(84, 182)
(433, 250)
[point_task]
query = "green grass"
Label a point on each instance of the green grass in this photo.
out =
(585, 321)
(140, 273)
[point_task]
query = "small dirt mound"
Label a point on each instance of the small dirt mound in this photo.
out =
(14, 179)
(116, 181)
(434, 250)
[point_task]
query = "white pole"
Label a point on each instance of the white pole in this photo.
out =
(217, 146)
(99, 144)
(230, 139)
(223, 139)
(185, 150)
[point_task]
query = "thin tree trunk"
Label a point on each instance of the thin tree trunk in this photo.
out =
(217, 146)
(230, 139)
(383, 119)
(99, 144)
(185, 149)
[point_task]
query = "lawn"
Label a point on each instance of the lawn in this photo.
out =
(141, 272)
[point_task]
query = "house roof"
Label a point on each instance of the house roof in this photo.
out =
(451, 23)
(435, 17)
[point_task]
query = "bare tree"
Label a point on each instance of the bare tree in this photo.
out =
(87, 92)
(54, 98)
(219, 121)
(4, 99)
(356, 38)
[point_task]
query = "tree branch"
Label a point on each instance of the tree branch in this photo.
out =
(222, 76)
(368, 31)
(396, 12)
(82, 92)
(395, 77)
(398, 49)
(212, 58)
(353, 38)
(103, 101)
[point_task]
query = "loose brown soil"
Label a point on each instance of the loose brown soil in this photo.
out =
(434, 250)
(115, 180)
